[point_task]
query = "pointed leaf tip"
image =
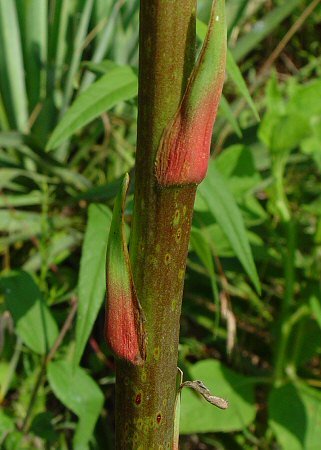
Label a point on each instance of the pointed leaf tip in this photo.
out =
(184, 150)
(124, 324)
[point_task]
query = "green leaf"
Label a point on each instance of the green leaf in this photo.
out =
(91, 284)
(79, 392)
(198, 416)
(237, 165)
(199, 243)
(237, 77)
(263, 28)
(33, 27)
(223, 207)
(6, 425)
(306, 99)
(42, 426)
(226, 111)
(118, 85)
(32, 317)
(78, 47)
(15, 441)
(295, 417)
(288, 132)
(315, 305)
(28, 146)
(12, 83)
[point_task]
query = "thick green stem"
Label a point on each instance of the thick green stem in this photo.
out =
(145, 396)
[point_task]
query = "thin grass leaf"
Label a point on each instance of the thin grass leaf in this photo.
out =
(263, 28)
(34, 33)
(103, 45)
(12, 84)
(117, 85)
(227, 112)
(28, 145)
(199, 243)
(235, 13)
(57, 44)
(237, 78)
(223, 207)
(77, 52)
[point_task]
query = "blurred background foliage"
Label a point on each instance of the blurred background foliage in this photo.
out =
(68, 86)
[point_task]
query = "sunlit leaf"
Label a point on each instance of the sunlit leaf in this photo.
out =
(33, 320)
(117, 85)
(79, 392)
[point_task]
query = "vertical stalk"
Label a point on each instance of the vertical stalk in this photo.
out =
(285, 320)
(145, 396)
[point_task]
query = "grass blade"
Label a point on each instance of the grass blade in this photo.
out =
(263, 28)
(33, 25)
(12, 84)
(237, 78)
(223, 207)
(77, 52)
(91, 284)
(117, 85)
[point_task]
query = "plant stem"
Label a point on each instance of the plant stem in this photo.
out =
(145, 396)
(286, 322)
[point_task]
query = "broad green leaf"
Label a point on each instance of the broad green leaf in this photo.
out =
(295, 417)
(6, 425)
(236, 163)
(306, 99)
(34, 323)
(42, 426)
(198, 416)
(118, 85)
(15, 441)
(91, 283)
(79, 392)
(263, 28)
(288, 132)
(223, 207)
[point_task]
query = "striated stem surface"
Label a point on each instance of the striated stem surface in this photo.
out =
(145, 396)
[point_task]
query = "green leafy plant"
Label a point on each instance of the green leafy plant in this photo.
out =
(68, 115)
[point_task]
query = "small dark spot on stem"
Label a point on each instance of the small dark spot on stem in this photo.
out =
(159, 418)
(138, 399)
